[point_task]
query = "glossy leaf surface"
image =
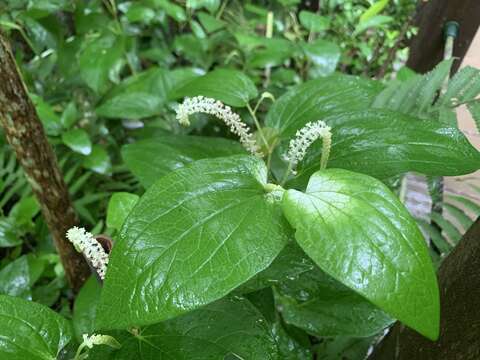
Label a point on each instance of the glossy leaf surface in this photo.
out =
(228, 329)
(232, 87)
(322, 306)
(359, 233)
(195, 235)
(30, 331)
(150, 159)
(364, 142)
(316, 99)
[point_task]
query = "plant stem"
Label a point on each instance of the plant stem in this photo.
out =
(25, 134)
(259, 128)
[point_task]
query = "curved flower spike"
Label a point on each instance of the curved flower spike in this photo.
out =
(201, 104)
(305, 137)
(85, 243)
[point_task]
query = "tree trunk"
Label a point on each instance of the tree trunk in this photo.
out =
(426, 49)
(25, 134)
(459, 282)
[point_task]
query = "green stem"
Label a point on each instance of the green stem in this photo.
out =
(287, 172)
(259, 128)
(79, 351)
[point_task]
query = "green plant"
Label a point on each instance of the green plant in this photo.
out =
(294, 247)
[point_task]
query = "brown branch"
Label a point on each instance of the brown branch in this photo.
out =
(25, 134)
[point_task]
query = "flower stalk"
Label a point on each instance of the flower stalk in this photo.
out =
(205, 105)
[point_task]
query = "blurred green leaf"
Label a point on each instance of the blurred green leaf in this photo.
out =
(15, 279)
(98, 161)
(232, 87)
(314, 22)
(77, 140)
(139, 96)
(119, 206)
(99, 60)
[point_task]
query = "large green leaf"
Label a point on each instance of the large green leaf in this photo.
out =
(150, 159)
(358, 232)
(137, 97)
(227, 329)
(382, 143)
(316, 99)
(232, 87)
(322, 306)
(30, 331)
(194, 236)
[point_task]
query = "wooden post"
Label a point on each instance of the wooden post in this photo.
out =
(426, 49)
(25, 134)
(459, 281)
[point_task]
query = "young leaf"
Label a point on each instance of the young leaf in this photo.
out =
(227, 329)
(119, 206)
(31, 331)
(194, 236)
(232, 87)
(358, 232)
(150, 159)
(316, 99)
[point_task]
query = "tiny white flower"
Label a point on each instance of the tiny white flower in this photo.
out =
(98, 339)
(85, 243)
(205, 105)
(305, 137)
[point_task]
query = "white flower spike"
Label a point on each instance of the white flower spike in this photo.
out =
(305, 137)
(85, 242)
(205, 105)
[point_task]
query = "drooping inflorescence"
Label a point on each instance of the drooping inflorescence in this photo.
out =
(305, 137)
(85, 243)
(205, 105)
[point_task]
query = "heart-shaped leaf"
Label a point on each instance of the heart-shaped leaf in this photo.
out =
(358, 232)
(194, 236)
(30, 331)
(150, 159)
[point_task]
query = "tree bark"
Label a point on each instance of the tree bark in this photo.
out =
(426, 49)
(459, 282)
(25, 134)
